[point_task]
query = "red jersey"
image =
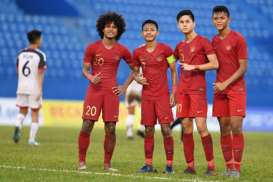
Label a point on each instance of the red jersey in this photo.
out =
(106, 61)
(154, 67)
(193, 53)
(229, 50)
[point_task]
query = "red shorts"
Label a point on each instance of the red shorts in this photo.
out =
(96, 101)
(229, 104)
(191, 105)
(153, 109)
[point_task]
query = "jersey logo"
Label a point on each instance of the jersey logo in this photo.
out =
(98, 60)
(160, 58)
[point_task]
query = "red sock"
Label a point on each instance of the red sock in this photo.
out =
(188, 143)
(149, 149)
(83, 142)
(238, 148)
(109, 146)
(226, 145)
(168, 145)
(208, 148)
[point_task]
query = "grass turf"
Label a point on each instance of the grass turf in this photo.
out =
(58, 152)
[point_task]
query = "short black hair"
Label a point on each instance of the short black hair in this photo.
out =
(33, 36)
(111, 17)
(149, 21)
(185, 12)
(218, 9)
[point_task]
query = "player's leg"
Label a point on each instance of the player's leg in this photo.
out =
(168, 146)
(35, 105)
(110, 117)
(199, 108)
(188, 145)
(221, 111)
(148, 119)
(207, 144)
(237, 104)
(148, 149)
(109, 144)
(165, 117)
(34, 127)
(183, 113)
(91, 112)
(131, 115)
(84, 141)
(18, 123)
(22, 103)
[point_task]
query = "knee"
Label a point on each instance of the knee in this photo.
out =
(203, 131)
(187, 128)
(236, 130)
(149, 131)
(225, 129)
(86, 126)
(166, 131)
(111, 129)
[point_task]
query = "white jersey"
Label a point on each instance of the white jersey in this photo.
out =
(29, 61)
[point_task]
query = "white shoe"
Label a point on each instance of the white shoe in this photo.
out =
(82, 166)
(33, 143)
(110, 170)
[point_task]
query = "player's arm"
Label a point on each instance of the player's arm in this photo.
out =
(220, 86)
(210, 65)
(41, 74)
(171, 61)
(86, 73)
(88, 58)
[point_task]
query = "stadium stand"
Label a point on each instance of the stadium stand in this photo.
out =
(69, 25)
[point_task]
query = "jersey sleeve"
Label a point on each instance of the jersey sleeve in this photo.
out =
(42, 63)
(176, 54)
(242, 48)
(88, 54)
(127, 56)
(169, 55)
(136, 59)
(207, 46)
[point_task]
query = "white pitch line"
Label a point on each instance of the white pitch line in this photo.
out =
(104, 174)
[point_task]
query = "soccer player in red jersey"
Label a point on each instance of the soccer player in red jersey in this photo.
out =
(155, 58)
(196, 55)
(103, 58)
(229, 104)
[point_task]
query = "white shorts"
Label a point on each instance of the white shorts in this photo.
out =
(25, 100)
(134, 88)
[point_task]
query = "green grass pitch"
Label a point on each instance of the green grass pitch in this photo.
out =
(56, 158)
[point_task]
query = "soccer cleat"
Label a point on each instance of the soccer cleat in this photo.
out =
(210, 172)
(33, 143)
(189, 170)
(147, 169)
(227, 172)
(168, 170)
(82, 166)
(140, 133)
(234, 173)
(17, 134)
(111, 170)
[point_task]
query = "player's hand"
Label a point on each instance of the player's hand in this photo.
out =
(172, 100)
(119, 90)
(141, 80)
(219, 86)
(188, 67)
(95, 79)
